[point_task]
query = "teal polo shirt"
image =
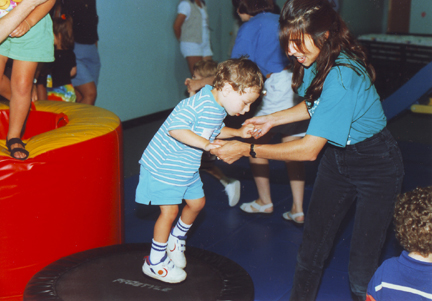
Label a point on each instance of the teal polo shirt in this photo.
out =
(349, 109)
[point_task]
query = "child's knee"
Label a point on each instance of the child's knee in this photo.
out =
(196, 205)
(169, 212)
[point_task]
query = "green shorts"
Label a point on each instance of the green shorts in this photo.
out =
(37, 45)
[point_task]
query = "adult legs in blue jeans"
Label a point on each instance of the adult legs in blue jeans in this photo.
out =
(369, 173)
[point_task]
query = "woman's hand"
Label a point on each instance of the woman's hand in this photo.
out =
(209, 146)
(262, 124)
(230, 151)
(246, 131)
(21, 30)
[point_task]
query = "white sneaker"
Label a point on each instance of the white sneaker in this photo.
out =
(233, 192)
(165, 270)
(176, 248)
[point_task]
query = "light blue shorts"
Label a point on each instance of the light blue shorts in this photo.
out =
(88, 64)
(151, 191)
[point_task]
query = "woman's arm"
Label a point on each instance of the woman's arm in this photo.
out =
(264, 123)
(35, 16)
(305, 149)
(9, 22)
(178, 24)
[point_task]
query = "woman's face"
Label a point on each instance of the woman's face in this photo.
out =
(310, 54)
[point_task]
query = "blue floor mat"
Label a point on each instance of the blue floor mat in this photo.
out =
(266, 245)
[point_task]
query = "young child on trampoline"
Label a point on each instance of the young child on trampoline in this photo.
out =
(170, 163)
(205, 71)
(409, 276)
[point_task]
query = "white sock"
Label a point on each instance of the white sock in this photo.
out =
(180, 228)
(157, 251)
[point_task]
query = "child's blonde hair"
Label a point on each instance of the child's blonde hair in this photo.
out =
(413, 220)
(205, 69)
(240, 73)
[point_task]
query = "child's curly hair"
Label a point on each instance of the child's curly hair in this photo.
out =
(205, 68)
(413, 220)
(240, 73)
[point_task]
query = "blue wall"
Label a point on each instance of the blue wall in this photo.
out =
(142, 69)
(421, 17)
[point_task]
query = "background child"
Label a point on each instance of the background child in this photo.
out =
(409, 276)
(31, 42)
(170, 163)
(192, 30)
(206, 71)
(55, 82)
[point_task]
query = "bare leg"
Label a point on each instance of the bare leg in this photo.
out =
(191, 210)
(192, 60)
(79, 96)
(261, 173)
(5, 86)
(41, 92)
(164, 223)
(87, 93)
(22, 84)
(296, 175)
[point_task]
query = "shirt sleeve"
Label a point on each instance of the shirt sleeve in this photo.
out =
(184, 9)
(333, 112)
(183, 118)
(217, 132)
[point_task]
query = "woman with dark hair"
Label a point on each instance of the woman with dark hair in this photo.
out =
(192, 30)
(361, 164)
(258, 38)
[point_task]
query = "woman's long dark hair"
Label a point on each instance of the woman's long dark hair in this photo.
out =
(329, 33)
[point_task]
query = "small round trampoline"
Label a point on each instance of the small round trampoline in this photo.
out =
(114, 273)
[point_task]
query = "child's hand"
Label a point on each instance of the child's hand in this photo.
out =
(187, 84)
(210, 146)
(246, 131)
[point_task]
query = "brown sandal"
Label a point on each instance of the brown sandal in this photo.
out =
(12, 141)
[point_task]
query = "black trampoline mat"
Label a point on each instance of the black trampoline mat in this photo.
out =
(115, 273)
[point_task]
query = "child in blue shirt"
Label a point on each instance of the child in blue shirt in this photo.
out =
(169, 166)
(409, 276)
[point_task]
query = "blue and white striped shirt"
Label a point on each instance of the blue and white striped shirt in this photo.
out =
(174, 162)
